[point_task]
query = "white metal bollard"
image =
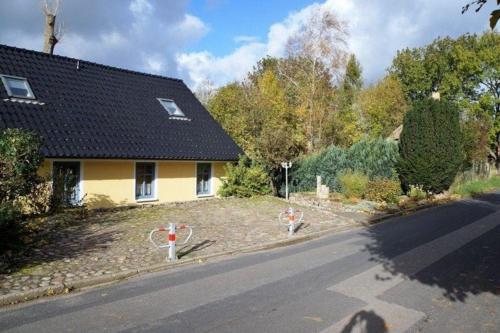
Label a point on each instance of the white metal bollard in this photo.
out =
(291, 219)
(172, 256)
(291, 222)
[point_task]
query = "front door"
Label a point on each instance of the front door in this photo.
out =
(66, 182)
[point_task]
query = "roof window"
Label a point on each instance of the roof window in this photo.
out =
(171, 107)
(17, 86)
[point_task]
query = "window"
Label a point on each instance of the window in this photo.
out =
(66, 182)
(171, 107)
(17, 86)
(203, 178)
(144, 181)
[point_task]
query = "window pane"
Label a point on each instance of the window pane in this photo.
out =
(138, 186)
(148, 169)
(171, 107)
(144, 178)
(18, 87)
(148, 180)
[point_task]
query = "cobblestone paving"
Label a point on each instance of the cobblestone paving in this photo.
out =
(68, 248)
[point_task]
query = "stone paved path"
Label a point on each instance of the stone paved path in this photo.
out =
(69, 249)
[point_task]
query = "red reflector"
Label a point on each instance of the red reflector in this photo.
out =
(171, 237)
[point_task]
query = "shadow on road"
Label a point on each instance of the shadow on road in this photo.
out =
(472, 269)
(193, 248)
(365, 322)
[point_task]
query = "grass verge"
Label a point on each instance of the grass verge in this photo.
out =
(475, 187)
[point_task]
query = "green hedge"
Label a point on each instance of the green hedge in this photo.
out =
(374, 158)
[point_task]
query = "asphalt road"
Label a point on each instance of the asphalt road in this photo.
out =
(435, 271)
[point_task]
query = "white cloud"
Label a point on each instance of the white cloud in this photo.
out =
(377, 29)
(200, 66)
(141, 8)
(151, 35)
(246, 39)
(143, 35)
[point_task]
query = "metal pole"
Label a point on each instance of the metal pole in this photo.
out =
(171, 243)
(286, 182)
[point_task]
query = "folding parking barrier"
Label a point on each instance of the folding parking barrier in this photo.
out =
(172, 256)
(291, 218)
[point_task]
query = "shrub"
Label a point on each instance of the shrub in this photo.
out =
(383, 189)
(10, 228)
(353, 183)
(431, 151)
(375, 158)
(246, 179)
(20, 158)
(417, 192)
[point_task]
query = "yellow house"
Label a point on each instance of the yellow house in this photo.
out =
(123, 137)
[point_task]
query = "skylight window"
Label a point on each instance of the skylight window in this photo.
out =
(171, 107)
(17, 86)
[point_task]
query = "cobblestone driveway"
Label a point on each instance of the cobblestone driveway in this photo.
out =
(69, 249)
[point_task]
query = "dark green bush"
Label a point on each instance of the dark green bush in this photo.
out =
(246, 179)
(383, 190)
(431, 149)
(20, 159)
(11, 229)
(375, 158)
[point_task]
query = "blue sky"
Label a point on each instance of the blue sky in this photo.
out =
(229, 19)
(221, 40)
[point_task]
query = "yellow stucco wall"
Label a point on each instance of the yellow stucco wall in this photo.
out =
(219, 173)
(109, 183)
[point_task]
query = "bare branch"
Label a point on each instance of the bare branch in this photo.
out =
(51, 7)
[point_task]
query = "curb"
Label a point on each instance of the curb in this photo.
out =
(115, 277)
(404, 212)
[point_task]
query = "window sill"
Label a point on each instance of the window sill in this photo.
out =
(204, 195)
(146, 200)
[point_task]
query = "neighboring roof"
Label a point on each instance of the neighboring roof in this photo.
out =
(87, 110)
(396, 133)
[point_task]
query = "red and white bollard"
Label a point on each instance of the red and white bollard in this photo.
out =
(291, 219)
(172, 256)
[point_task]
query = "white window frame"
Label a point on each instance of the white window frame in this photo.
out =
(178, 109)
(154, 197)
(211, 194)
(81, 192)
(5, 78)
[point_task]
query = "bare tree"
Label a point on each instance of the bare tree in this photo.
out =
(205, 91)
(53, 33)
(316, 56)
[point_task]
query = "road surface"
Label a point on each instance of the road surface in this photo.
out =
(435, 271)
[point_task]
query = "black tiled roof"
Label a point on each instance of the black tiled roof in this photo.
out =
(99, 111)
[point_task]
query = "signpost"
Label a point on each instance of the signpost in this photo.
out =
(286, 166)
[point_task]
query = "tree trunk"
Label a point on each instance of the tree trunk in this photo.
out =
(50, 39)
(497, 162)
